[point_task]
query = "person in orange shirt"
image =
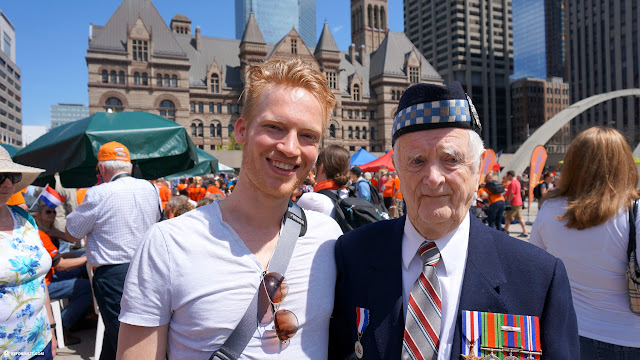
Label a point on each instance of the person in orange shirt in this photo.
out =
(397, 195)
(214, 189)
(197, 192)
(164, 191)
(387, 192)
(80, 193)
(18, 199)
(181, 186)
(496, 204)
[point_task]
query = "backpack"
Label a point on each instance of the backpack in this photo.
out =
(374, 197)
(353, 212)
(495, 187)
(537, 191)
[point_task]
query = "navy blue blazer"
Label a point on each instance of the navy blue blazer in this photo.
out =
(502, 275)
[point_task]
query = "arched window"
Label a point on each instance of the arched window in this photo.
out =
(105, 76)
(114, 77)
(200, 130)
(121, 77)
(212, 130)
(376, 16)
(215, 83)
(230, 129)
(350, 133)
(194, 130)
(219, 130)
(393, 94)
(145, 79)
(192, 106)
(174, 80)
(159, 80)
(373, 133)
(357, 132)
(166, 80)
(114, 104)
(364, 132)
(136, 78)
(370, 16)
(356, 92)
(383, 17)
(332, 131)
(168, 109)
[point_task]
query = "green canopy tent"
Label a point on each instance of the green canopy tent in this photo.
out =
(226, 169)
(206, 164)
(158, 147)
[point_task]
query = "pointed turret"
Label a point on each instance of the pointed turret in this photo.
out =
(253, 48)
(328, 56)
(326, 41)
(252, 33)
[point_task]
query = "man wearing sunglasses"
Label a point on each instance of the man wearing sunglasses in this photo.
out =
(414, 277)
(194, 276)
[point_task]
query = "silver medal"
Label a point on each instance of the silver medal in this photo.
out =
(359, 350)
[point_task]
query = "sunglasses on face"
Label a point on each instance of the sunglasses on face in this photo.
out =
(49, 212)
(13, 177)
(285, 321)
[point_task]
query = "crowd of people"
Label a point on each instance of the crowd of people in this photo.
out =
(260, 266)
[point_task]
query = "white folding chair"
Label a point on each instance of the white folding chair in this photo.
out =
(100, 329)
(56, 309)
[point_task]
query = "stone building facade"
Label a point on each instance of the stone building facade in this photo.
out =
(139, 63)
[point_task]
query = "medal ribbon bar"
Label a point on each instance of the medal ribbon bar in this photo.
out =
(471, 330)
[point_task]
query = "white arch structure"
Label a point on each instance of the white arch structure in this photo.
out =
(522, 157)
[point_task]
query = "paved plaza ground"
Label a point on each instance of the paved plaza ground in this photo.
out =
(85, 349)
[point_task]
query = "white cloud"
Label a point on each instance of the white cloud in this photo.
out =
(337, 28)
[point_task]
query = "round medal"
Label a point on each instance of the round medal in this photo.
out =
(359, 350)
(511, 357)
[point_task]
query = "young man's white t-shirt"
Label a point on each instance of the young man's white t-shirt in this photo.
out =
(194, 273)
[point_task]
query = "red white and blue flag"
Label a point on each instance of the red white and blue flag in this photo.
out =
(51, 197)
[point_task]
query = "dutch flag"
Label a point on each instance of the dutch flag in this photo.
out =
(51, 197)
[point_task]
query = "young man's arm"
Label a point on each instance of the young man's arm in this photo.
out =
(139, 342)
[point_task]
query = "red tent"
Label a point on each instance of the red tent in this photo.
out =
(383, 161)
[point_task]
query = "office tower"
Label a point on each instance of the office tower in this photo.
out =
(529, 52)
(603, 56)
(10, 86)
(535, 101)
(369, 24)
(470, 42)
(277, 17)
(555, 38)
(65, 113)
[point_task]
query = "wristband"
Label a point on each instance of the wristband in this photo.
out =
(52, 326)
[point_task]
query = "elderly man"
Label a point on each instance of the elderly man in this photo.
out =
(114, 217)
(438, 284)
(191, 288)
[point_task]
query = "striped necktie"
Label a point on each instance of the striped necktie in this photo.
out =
(422, 324)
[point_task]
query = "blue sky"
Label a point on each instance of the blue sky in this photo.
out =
(52, 36)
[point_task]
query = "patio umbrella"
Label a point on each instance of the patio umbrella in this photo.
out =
(362, 157)
(158, 147)
(206, 164)
(383, 161)
(226, 169)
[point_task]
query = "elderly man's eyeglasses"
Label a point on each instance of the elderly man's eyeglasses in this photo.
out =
(285, 322)
(13, 177)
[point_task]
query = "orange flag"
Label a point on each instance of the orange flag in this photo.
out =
(538, 159)
(488, 159)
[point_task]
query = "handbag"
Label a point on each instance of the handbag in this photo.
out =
(295, 225)
(633, 272)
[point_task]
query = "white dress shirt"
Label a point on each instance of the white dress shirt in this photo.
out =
(450, 271)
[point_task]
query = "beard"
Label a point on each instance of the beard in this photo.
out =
(260, 181)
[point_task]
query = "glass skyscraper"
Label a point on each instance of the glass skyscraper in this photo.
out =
(277, 17)
(529, 48)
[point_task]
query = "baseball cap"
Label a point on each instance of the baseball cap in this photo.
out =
(113, 151)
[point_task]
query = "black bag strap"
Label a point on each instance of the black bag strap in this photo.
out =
(295, 225)
(633, 210)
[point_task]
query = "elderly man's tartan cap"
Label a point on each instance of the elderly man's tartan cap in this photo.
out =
(430, 106)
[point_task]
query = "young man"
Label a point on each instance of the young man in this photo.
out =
(514, 197)
(361, 184)
(194, 276)
(439, 260)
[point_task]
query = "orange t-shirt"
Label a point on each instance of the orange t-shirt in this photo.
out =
(492, 197)
(51, 249)
(388, 188)
(17, 198)
(374, 183)
(165, 194)
(80, 194)
(197, 193)
(396, 186)
(181, 186)
(214, 190)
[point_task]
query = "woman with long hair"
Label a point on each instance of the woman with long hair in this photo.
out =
(332, 173)
(585, 223)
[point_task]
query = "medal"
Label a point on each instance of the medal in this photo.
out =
(359, 350)
(362, 321)
(491, 341)
(471, 332)
(491, 356)
(531, 337)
